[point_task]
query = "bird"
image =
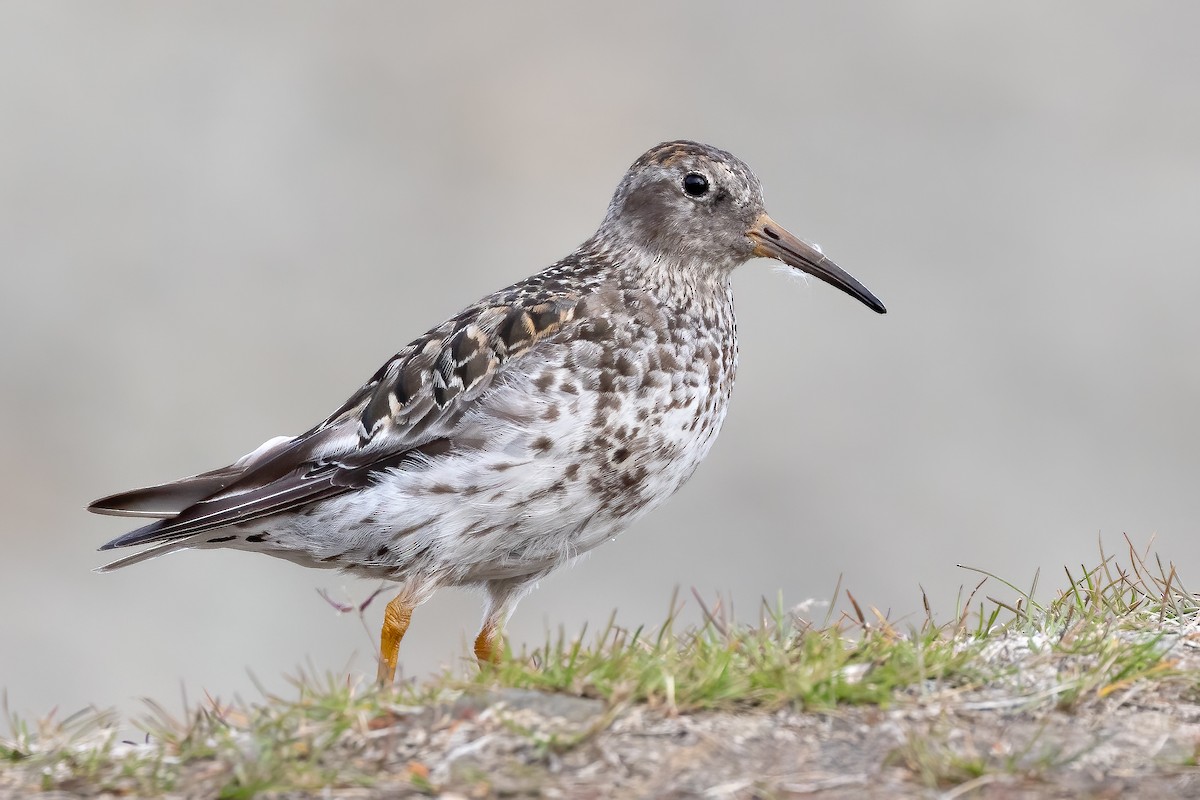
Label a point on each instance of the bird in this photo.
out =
(525, 430)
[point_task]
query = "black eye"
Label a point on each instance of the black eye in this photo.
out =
(695, 184)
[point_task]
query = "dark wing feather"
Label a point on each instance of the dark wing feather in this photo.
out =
(409, 411)
(267, 495)
(168, 499)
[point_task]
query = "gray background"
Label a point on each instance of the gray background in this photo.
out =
(217, 219)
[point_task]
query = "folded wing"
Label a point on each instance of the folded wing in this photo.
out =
(412, 410)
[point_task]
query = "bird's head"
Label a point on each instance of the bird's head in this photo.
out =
(692, 204)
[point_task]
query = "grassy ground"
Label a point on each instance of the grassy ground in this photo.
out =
(1091, 693)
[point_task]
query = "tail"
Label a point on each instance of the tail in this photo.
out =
(163, 502)
(166, 501)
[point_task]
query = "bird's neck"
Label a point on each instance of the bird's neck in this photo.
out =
(681, 281)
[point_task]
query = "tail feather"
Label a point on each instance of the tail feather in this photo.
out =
(160, 549)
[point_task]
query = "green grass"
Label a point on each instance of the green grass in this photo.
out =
(782, 661)
(1109, 629)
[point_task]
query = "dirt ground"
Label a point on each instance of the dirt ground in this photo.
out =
(516, 743)
(525, 744)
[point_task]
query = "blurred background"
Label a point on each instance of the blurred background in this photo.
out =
(218, 218)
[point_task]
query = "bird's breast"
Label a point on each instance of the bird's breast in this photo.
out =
(653, 393)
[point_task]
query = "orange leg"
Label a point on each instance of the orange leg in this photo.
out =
(396, 617)
(488, 644)
(502, 595)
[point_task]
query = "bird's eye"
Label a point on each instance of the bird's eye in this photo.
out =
(695, 184)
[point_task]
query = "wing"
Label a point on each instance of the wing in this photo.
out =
(412, 410)
(168, 499)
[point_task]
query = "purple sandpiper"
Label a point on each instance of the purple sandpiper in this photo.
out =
(526, 429)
